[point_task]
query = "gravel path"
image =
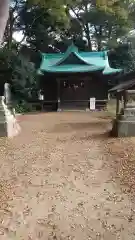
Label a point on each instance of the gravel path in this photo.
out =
(57, 182)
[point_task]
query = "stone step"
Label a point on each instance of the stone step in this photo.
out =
(2, 115)
(2, 111)
(2, 122)
(3, 129)
(127, 118)
(124, 128)
(129, 112)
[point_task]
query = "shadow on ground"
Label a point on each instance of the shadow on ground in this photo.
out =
(98, 136)
(69, 127)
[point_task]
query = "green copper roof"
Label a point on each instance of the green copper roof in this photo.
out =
(74, 61)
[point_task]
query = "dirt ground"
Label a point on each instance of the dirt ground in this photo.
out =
(63, 178)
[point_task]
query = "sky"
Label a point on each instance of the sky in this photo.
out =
(18, 36)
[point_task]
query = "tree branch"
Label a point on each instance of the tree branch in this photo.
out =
(78, 19)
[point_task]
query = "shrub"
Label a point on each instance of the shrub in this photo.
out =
(22, 107)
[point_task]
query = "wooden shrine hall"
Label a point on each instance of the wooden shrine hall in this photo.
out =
(68, 80)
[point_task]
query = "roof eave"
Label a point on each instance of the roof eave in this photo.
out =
(112, 71)
(50, 70)
(40, 72)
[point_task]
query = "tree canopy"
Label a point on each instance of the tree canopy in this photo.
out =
(93, 24)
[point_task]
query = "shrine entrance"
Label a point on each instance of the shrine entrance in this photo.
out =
(74, 93)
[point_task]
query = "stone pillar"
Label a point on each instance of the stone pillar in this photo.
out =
(125, 99)
(8, 95)
(12, 127)
(117, 104)
(130, 99)
(3, 123)
(124, 126)
(117, 107)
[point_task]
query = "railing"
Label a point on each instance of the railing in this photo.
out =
(99, 104)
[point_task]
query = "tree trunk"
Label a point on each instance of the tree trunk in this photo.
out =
(87, 31)
(99, 40)
(10, 30)
(4, 12)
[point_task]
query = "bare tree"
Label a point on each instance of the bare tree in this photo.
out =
(4, 12)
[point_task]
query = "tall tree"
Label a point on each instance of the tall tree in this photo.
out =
(39, 26)
(56, 8)
(12, 23)
(99, 22)
(101, 25)
(4, 13)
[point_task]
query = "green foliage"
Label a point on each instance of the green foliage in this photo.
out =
(93, 24)
(123, 57)
(39, 26)
(22, 107)
(56, 9)
(115, 7)
(23, 74)
(102, 26)
(19, 71)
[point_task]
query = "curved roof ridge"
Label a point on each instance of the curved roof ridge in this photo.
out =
(72, 50)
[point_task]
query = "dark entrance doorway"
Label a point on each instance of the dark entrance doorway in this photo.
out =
(74, 93)
(1, 88)
(49, 87)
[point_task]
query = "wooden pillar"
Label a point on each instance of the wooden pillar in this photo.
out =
(122, 103)
(125, 99)
(117, 105)
(58, 95)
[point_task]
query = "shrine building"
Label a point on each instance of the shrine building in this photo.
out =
(68, 80)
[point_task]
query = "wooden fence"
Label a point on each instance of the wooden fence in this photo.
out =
(53, 105)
